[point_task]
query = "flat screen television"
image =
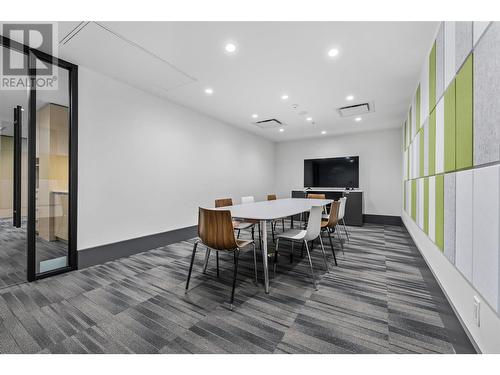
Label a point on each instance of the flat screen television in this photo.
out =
(332, 172)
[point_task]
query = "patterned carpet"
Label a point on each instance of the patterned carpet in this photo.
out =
(381, 298)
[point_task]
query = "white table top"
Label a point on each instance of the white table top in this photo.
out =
(270, 210)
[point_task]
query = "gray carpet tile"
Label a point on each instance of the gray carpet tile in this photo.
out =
(381, 298)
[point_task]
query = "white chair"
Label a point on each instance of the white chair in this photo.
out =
(299, 235)
(343, 202)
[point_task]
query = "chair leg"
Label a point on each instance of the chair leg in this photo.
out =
(191, 265)
(331, 245)
(276, 257)
(217, 261)
(345, 230)
(311, 265)
(255, 262)
(207, 255)
(253, 232)
(272, 231)
(260, 237)
(238, 236)
(324, 255)
(236, 256)
(283, 224)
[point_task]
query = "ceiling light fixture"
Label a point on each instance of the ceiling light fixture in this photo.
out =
(209, 91)
(309, 119)
(349, 97)
(284, 97)
(230, 47)
(282, 130)
(358, 119)
(333, 52)
(255, 115)
(323, 132)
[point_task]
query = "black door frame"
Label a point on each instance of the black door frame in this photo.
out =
(16, 192)
(33, 55)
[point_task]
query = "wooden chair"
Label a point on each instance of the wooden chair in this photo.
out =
(272, 197)
(329, 225)
(237, 224)
(215, 230)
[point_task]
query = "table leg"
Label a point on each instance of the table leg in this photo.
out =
(263, 225)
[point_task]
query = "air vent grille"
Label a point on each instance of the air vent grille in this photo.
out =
(269, 123)
(356, 110)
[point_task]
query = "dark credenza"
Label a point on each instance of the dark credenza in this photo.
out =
(354, 204)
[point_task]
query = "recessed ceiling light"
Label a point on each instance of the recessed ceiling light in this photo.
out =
(349, 97)
(309, 119)
(357, 119)
(282, 130)
(209, 91)
(230, 47)
(323, 132)
(284, 97)
(333, 52)
(255, 115)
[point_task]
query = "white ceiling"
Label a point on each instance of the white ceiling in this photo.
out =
(378, 62)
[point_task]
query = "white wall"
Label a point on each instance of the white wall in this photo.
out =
(380, 161)
(146, 164)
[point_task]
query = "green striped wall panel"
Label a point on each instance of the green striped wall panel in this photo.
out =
(449, 128)
(412, 132)
(421, 153)
(440, 211)
(432, 143)
(464, 127)
(432, 78)
(417, 105)
(426, 205)
(405, 135)
(414, 200)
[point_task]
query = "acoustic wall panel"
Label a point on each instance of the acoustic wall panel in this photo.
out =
(424, 92)
(449, 52)
(421, 162)
(449, 128)
(449, 216)
(478, 28)
(440, 62)
(432, 208)
(412, 124)
(432, 78)
(486, 222)
(463, 215)
(439, 196)
(486, 97)
(432, 143)
(420, 203)
(408, 197)
(426, 148)
(463, 42)
(417, 107)
(463, 92)
(440, 137)
(426, 205)
(413, 114)
(414, 200)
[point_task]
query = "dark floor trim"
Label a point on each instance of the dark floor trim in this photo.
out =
(101, 254)
(382, 219)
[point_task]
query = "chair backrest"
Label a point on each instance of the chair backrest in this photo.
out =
(215, 229)
(271, 197)
(314, 223)
(224, 202)
(333, 218)
(316, 196)
(343, 202)
(249, 199)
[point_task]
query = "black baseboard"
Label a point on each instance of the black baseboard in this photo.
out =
(382, 219)
(105, 253)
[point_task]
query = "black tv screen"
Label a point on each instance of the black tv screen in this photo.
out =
(332, 172)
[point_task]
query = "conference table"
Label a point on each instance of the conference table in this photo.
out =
(267, 211)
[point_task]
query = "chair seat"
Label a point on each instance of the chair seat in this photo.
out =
(243, 243)
(293, 234)
(242, 224)
(325, 216)
(324, 223)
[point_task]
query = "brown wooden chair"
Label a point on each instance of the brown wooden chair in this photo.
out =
(272, 197)
(215, 231)
(315, 196)
(329, 225)
(237, 224)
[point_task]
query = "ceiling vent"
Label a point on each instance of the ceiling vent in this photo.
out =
(356, 110)
(269, 124)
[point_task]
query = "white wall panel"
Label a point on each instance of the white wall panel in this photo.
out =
(449, 52)
(424, 91)
(440, 136)
(486, 253)
(463, 211)
(432, 208)
(420, 203)
(478, 29)
(426, 148)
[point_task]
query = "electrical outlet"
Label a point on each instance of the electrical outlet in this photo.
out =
(477, 311)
